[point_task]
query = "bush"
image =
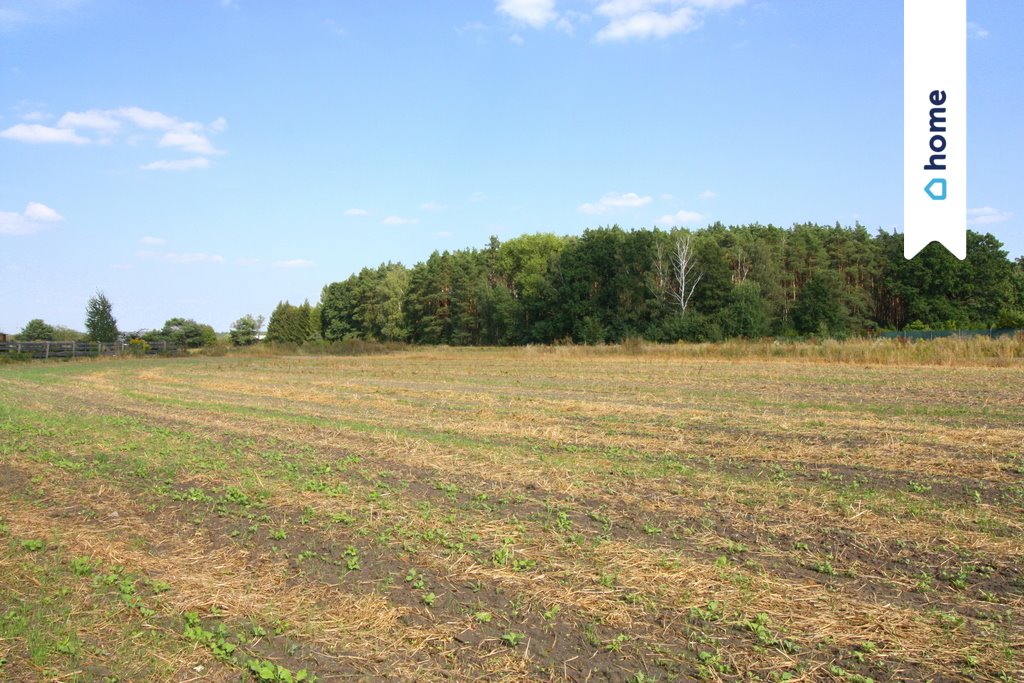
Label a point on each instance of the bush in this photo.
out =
(246, 330)
(184, 333)
(590, 331)
(217, 349)
(693, 327)
(1010, 318)
(746, 315)
(138, 346)
(358, 347)
(819, 307)
(37, 330)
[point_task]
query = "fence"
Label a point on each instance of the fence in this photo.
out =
(48, 349)
(936, 334)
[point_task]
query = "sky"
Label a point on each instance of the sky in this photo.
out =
(208, 159)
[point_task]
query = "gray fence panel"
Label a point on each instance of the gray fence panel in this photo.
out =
(46, 350)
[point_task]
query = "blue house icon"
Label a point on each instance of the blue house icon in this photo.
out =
(936, 189)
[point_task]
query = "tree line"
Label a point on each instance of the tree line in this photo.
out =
(706, 285)
(609, 284)
(101, 326)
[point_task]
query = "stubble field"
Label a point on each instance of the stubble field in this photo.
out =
(526, 514)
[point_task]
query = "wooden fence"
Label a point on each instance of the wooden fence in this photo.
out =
(54, 349)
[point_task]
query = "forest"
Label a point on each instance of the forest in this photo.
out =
(719, 282)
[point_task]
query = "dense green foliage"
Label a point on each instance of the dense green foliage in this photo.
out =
(37, 330)
(100, 324)
(62, 333)
(184, 333)
(609, 284)
(368, 304)
(292, 324)
(246, 330)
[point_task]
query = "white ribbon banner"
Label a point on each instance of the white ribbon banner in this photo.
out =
(935, 125)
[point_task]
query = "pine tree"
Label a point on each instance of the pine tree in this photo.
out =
(289, 324)
(246, 330)
(37, 330)
(100, 324)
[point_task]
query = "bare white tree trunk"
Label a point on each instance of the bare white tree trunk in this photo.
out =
(742, 267)
(682, 271)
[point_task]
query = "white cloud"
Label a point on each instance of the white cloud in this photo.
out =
(357, 212)
(152, 120)
(187, 136)
(536, 13)
(565, 22)
(35, 116)
(35, 133)
(986, 215)
(649, 24)
(189, 142)
(681, 217)
(708, 194)
(398, 220)
(34, 218)
(35, 211)
(614, 200)
(153, 241)
(641, 19)
(294, 263)
(433, 206)
(94, 119)
(244, 261)
(976, 31)
(624, 8)
(516, 39)
(176, 164)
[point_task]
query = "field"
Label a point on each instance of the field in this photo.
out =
(524, 514)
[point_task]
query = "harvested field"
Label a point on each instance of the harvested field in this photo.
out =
(522, 514)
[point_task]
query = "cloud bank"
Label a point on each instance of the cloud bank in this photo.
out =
(103, 126)
(34, 218)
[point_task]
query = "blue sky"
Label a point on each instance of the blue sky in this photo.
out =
(206, 159)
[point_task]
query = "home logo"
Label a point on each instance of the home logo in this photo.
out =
(936, 189)
(935, 125)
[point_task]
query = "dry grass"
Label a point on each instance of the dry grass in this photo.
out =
(945, 351)
(811, 511)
